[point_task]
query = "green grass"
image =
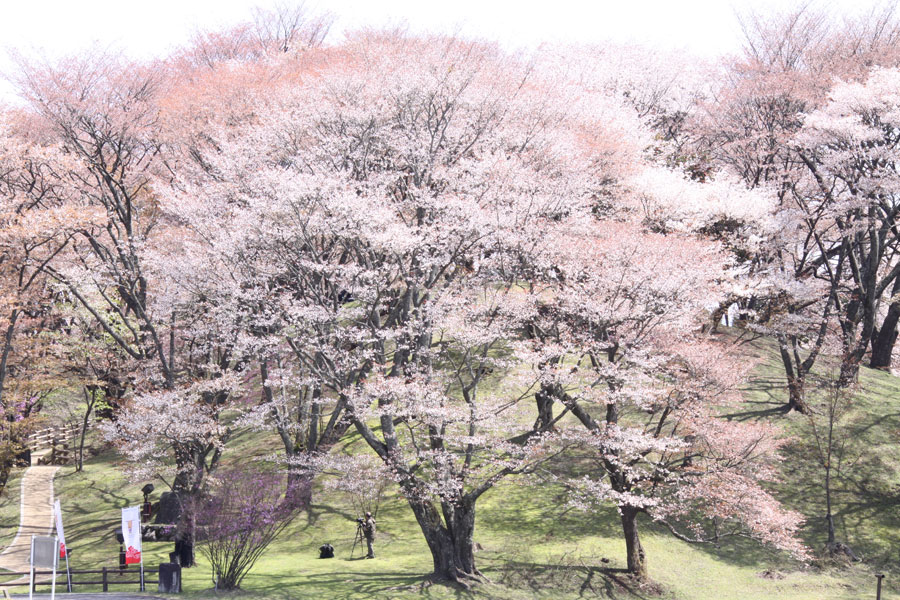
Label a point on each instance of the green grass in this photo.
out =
(867, 490)
(532, 546)
(9, 507)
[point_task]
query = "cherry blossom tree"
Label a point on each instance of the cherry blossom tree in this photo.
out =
(789, 64)
(646, 389)
(418, 239)
(33, 232)
(388, 244)
(122, 260)
(848, 148)
(376, 243)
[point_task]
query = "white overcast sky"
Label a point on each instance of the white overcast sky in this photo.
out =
(147, 29)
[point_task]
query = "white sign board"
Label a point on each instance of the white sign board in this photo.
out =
(44, 553)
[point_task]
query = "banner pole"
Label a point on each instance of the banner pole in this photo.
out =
(55, 565)
(31, 571)
(57, 511)
(68, 573)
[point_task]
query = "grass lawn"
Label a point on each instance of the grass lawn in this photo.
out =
(532, 546)
(9, 507)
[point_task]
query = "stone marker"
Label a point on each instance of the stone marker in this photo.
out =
(169, 578)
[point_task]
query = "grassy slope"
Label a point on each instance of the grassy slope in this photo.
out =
(532, 546)
(868, 494)
(9, 508)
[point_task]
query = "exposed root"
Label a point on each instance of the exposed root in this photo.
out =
(460, 578)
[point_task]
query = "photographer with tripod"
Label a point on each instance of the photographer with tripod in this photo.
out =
(365, 528)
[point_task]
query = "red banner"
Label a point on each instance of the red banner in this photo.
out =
(131, 534)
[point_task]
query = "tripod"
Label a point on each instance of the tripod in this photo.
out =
(359, 536)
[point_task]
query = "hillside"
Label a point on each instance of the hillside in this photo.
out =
(534, 546)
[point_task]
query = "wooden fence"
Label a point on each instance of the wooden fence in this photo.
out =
(108, 577)
(59, 439)
(44, 438)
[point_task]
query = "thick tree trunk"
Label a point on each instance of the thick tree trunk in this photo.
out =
(858, 331)
(452, 546)
(796, 395)
(544, 400)
(637, 561)
(849, 373)
(883, 342)
(191, 461)
(299, 489)
(7, 346)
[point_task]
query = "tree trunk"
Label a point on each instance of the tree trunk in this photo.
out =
(637, 562)
(883, 342)
(795, 377)
(299, 488)
(796, 395)
(544, 400)
(7, 346)
(90, 400)
(190, 459)
(184, 539)
(857, 331)
(452, 547)
(829, 518)
(849, 373)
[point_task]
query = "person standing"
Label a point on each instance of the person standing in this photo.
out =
(369, 532)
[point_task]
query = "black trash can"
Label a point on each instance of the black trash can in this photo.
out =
(170, 578)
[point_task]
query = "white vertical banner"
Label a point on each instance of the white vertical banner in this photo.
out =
(61, 536)
(131, 532)
(57, 512)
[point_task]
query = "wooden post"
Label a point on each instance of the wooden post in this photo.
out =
(878, 592)
(105, 581)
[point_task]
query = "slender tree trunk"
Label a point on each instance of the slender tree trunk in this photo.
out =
(637, 561)
(829, 518)
(90, 400)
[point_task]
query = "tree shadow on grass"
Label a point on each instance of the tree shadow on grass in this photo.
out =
(566, 576)
(111, 498)
(339, 585)
(315, 511)
(763, 413)
(515, 510)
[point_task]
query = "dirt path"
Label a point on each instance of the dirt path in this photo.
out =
(35, 516)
